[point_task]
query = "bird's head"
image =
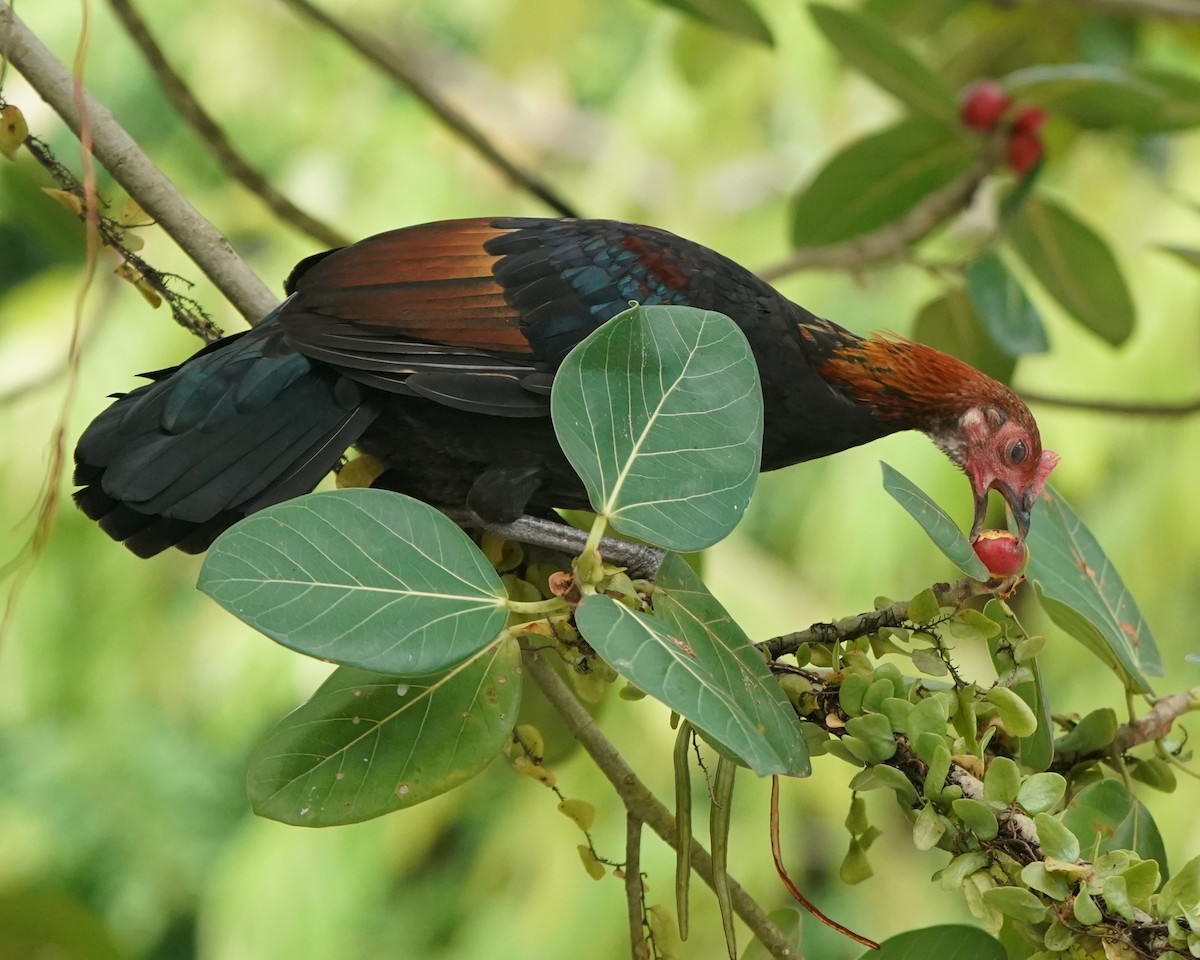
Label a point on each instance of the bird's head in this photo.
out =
(979, 423)
(998, 447)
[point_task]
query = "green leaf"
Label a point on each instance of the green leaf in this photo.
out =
(1056, 839)
(1089, 94)
(855, 866)
(870, 46)
(366, 744)
(1001, 781)
(660, 412)
(1180, 106)
(977, 817)
(951, 324)
(1105, 817)
(934, 521)
(1016, 902)
(1041, 792)
(1015, 715)
(364, 578)
(733, 16)
(955, 873)
(1094, 732)
(876, 732)
(877, 180)
(696, 660)
(1008, 315)
(1181, 894)
(947, 942)
(1076, 267)
(928, 828)
(1082, 592)
(1054, 885)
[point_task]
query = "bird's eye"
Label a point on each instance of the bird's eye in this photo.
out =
(1018, 452)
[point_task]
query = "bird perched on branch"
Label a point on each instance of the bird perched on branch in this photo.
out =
(434, 347)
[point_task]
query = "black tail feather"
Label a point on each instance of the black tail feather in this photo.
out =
(241, 425)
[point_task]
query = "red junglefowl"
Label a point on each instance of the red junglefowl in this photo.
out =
(434, 348)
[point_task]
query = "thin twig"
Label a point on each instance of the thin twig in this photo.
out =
(1131, 409)
(894, 239)
(135, 172)
(638, 799)
(395, 63)
(863, 624)
(224, 152)
(634, 895)
(639, 559)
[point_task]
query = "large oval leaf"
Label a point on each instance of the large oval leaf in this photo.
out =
(732, 16)
(1105, 816)
(364, 578)
(660, 413)
(868, 45)
(1075, 266)
(949, 942)
(1089, 94)
(1009, 316)
(1180, 107)
(951, 324)
(1083, 593)
(696, 660)
(877, 180)
(936, 523)
(367, 744)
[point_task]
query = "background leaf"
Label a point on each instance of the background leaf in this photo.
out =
(696, 660)
(365, 578)
(948, 942)
(934, 521)
(660, 412)
(1105, 816)
(1075, 266)
(1084, 594)
(876, 180)
(367, 744)
(951, 324)
(869, 46)
(1008, 315)
(732, 16)
(1089, 94)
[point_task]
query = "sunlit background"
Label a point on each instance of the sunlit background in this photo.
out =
(129, 703)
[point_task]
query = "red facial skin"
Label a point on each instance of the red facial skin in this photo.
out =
(1001, 552)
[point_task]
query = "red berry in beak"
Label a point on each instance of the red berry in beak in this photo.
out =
(984, 105)
(1001, 552)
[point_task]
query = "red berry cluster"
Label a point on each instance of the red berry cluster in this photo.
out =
(986, 104)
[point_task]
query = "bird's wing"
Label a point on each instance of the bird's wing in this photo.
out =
(476, 314)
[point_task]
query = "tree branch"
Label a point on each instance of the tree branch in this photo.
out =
(226, 154)
(896, 615)
(1132, 409)
(135, 172)
(640, 802)
(894, 239)
(1166, 9)
(394, 63)
(1157, 723)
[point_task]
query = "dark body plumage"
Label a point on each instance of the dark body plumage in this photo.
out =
(433, 348)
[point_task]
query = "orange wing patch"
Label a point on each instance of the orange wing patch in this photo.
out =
(431, 282)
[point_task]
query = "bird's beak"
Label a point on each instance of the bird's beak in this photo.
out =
(1020, 504)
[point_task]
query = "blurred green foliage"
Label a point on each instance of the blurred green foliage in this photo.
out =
(129, 705)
